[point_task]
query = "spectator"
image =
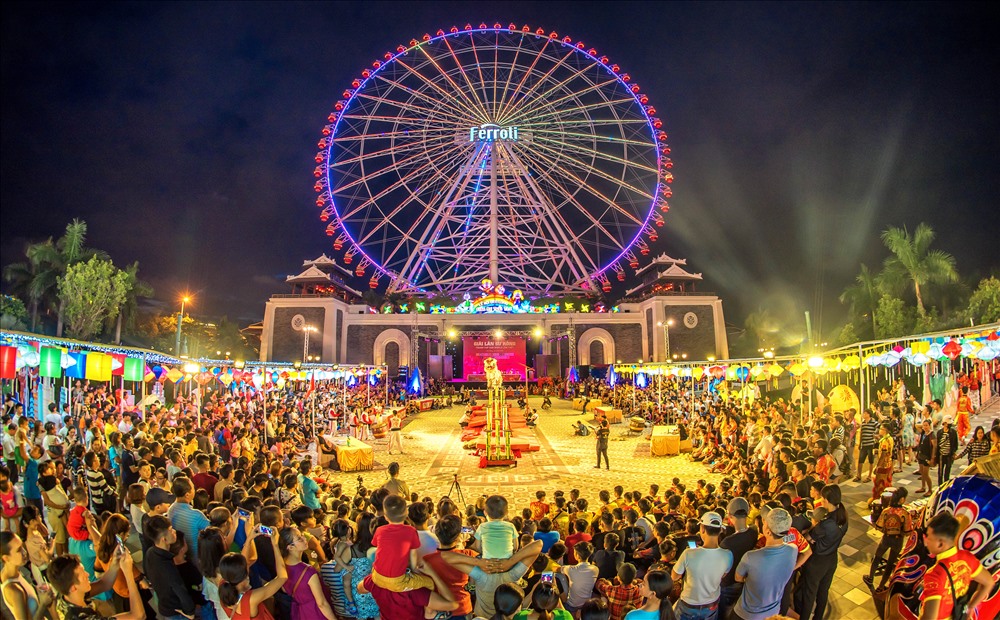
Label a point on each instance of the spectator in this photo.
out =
(239, 600)
(764, 572)
(546, 534)
(947, 447)
(817, 573)
(741, 539)
(702, 569)
(18, 593)
(69, 579)
(656, 588)
(624, 594)
(410, 604)
(497, 537)
(582, 577)
(174, 600)
(303, 583)
(183, 517)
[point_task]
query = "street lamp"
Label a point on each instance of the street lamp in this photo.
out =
(305, 340)
(666, 338)
(180, 319)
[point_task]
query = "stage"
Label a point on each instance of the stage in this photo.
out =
(433, 453)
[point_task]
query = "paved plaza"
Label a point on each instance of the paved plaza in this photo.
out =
(434, 455)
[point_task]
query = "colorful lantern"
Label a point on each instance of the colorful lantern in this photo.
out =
(51, 362)
(134, 369)
(78, 369)
(98, 366)
(117, 364)
(8, 362)
(951, 350)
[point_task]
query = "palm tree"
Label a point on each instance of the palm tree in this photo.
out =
(53, 257)
(862, 296)
(914, 260)
(137, 289)
(22, 278)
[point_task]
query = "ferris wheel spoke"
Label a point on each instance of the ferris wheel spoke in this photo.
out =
(436, 104)
(546, 97)
(469, 109)
(472, 89)
(578, 182)
(388, 150)
(596, 154)
(595, 138)
(558, 225)
(503, 113)
(458, 183)
(395, 167)
(581, 114)
(504, 102)
(588, 170)
(373, 200)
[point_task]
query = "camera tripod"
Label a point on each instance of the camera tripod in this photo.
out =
(456, 487)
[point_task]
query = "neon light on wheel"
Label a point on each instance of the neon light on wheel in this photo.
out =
(493, 152)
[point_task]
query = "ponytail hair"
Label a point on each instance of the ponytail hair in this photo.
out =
(831, 493)
(544, 599)
(507, 601)
(662, 585)
(233, 571)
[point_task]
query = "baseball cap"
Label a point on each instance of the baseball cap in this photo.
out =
(711, 519)
(947, 419)
(157, 496)
(738, 507)
(778, 521)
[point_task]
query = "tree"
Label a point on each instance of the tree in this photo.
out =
(862, 297)
(915, 261)
(13, 314)
(91, 293)
(137, 289)
(22, 278)
(984, 305)
(892, 318)
(52, 259)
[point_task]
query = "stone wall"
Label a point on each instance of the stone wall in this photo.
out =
(698, 342)
(286, 341)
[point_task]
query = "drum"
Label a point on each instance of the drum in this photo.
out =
(380, 430)
(637, 423)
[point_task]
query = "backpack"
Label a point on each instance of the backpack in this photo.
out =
(220, 438)
(960, 606)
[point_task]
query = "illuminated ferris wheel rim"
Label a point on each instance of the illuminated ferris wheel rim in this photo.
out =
(657, 196)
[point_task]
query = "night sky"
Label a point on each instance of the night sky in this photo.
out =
(184, 134)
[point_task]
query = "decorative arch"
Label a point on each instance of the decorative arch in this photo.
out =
(601, 335)
(384, 338)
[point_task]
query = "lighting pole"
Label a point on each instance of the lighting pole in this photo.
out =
(305, 340)
(180, 320)
(666, 338)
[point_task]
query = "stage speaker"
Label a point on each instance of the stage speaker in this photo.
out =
(447, 368)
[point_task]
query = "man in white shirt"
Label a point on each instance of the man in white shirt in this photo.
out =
(702, 569)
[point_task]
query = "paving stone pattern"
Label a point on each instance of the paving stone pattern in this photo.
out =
(433, 455)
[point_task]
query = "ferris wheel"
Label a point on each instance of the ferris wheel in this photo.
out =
(493, 152)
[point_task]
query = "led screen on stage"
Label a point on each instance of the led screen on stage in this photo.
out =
(509, 354)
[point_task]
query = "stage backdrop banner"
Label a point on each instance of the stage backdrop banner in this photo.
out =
(509, 354)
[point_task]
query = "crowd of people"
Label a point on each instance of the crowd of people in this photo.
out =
(215, 509)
